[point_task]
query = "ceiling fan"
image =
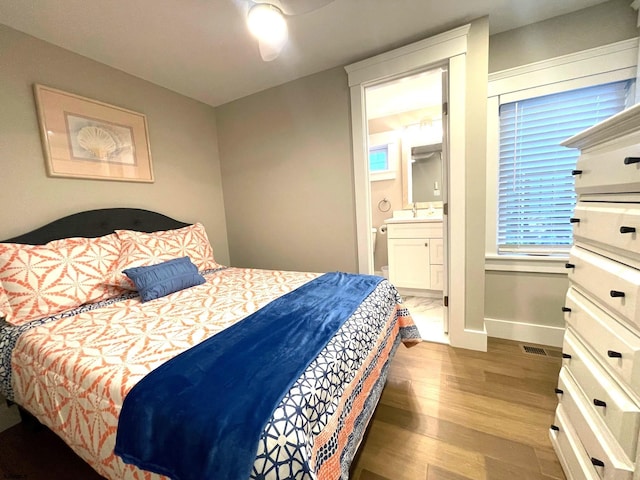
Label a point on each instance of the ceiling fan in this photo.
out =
(266, 21)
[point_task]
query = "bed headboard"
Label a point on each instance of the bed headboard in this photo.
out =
(95, 223)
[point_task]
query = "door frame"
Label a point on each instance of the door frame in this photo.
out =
(451, 48)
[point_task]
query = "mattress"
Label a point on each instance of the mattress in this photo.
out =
(73, 371)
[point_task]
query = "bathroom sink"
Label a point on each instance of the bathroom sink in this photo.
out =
(434, 218)
(422, 216)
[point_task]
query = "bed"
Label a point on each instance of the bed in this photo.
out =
(94, 354)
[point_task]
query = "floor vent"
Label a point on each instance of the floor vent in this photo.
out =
(534, 350)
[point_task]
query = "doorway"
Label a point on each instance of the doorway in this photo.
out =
(450, 49)
(407, 142)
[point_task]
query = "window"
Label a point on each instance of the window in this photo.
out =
(530, 110)
(383, 155)
(379, 158)
(535, 188)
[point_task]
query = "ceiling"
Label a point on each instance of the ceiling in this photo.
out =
(202, 49)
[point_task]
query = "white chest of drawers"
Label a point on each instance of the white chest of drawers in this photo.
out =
(596, 429)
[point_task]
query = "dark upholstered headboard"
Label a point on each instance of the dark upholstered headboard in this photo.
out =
(95, 223)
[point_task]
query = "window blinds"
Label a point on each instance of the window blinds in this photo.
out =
(536, 194)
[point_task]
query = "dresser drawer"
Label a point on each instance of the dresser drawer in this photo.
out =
(604, 170)
(609, 459)
(614, 284)
(614, 407)
(616, 346)
(575, 461)
(573, 457)
(610, 225)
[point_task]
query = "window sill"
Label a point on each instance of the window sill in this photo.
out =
(384, 175)
(525, 263)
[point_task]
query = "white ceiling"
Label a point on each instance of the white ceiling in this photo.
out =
(202, 49)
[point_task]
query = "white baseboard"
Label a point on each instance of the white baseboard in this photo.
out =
(470, 339)
(524, 332)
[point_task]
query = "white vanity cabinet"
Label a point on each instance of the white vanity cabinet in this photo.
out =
(416, 255)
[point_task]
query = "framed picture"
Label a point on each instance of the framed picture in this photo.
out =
(85, 138)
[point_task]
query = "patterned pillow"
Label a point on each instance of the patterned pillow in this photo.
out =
(42, 280)
(140, 249)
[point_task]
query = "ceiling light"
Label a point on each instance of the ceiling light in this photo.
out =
(267, 24)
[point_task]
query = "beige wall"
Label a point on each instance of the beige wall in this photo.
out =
(287, 176)
(182, 136)
(532, 297)
(601, 24)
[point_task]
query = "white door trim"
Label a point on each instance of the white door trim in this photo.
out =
(449, 47)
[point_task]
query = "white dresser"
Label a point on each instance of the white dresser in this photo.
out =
(597, 422)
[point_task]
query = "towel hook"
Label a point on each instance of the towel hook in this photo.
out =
(384, 205)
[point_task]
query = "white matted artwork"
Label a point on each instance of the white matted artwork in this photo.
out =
(85, 138)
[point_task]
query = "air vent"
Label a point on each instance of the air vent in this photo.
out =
(534, 350)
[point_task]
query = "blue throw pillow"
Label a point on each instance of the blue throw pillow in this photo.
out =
(156, 281)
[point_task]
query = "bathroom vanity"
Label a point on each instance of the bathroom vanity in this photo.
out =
(416, 253)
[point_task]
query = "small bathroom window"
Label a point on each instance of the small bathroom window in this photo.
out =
(383, 156)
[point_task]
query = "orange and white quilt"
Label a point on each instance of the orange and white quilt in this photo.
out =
(73, 373)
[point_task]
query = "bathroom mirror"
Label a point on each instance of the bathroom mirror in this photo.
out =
(422, 176)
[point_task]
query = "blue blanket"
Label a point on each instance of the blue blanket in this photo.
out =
(201, 414)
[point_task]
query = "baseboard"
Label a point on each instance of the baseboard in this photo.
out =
(524, 332)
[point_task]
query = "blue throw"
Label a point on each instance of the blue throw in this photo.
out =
(201, 414)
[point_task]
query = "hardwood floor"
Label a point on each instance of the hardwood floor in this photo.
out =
(453, 414)
(445, 414)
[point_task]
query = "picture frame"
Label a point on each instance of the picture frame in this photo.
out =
(86, 138)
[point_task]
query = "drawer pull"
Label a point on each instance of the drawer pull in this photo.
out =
(555, 428)
(596, 462)
(576, 172)
(630, 160)
(566, 309)
(616, 293)
(566, 355)
(574, 220)
(613, 354)
(569, 265)
(627, 229)
(559, 391)
(426, 244)
(599, 403)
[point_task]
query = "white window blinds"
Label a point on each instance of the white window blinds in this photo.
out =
(536, 194)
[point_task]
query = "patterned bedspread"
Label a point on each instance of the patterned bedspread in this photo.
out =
(73, 372)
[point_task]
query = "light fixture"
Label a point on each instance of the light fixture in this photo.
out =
(266, 22)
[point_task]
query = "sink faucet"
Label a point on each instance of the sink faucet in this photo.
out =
(415, 209)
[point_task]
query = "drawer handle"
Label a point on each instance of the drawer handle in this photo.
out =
(627, 229)
(555, 428)
(566, 355)
(616, 293)
(574, 220)
(566, 309)
(426, 244)
(559, 391)
(630, 160)
(613, 354)
(576, 172)
(599, 403)
(569, 265)
(596, 462)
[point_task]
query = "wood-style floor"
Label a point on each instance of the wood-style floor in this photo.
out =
(453, 414)
(445, 414)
